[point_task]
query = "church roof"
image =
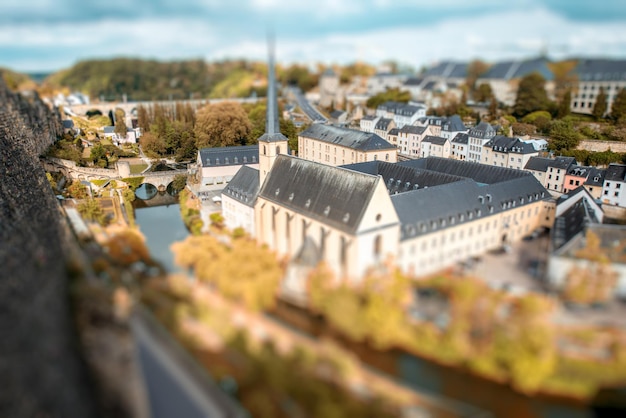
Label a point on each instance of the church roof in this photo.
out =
(224, 156)
(480, 173)
(335, 196)
(363, 141)
(244, 186)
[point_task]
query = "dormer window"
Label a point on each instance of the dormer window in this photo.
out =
(277, 192)
(346, 217)
(326, 210)
(291, 197)
(307, 203)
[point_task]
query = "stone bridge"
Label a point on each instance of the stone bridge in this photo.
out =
(159, 179)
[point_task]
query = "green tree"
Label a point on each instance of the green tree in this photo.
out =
(222, 124)
(563, 136)
(483, 93)
(390, 95)
(91, 210)
(98, 153)
(77, 190)
(565, 105)
(179, 182)
(599, 108)
(618, 108)
(120, 123)
(531, 95)
(152, 145)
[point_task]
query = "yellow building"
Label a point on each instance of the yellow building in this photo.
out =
(335, 146)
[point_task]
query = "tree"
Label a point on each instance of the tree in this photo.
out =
(152, 145)
(77, 190)
(493, 108)
(120, 123)
(475, 69)
(143, 119)
(618, 108)
(531, 95)
(394, 95)
(179, 182)
(563, 136)
(98, 153)
(599, 108)
(222, 124)
(91, 210)
(53, 183)
(483, 93)
(565, 105)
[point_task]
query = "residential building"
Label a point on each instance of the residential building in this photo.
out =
(435, 123)
(576, 176)
(368, 123)
(452, 126)
(383, 126)
(504, 77)
(329, 88)
(219, 165)
(614, 188)
(459, 147)
(435, 146)
(239, 198)
(578, 219)
(382, 82)
(410, 139)
(339, 116)
(392, 136)
(591, 75)
(478, 136)
(401, 113)
(595, 182)
(550, 172)
(507, 152)
(333, 145)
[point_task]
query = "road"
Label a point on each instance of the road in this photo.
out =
(175, 384)
(311, 112)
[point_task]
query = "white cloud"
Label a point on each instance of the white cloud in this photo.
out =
(494, 36)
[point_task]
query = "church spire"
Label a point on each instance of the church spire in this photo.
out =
(272, 143)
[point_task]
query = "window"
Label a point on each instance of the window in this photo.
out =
(571, 181)
(606, 192)
(617, 186)
(616, 194)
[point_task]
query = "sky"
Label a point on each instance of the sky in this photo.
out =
(48, 35)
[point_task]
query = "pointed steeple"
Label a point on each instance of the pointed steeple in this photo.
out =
(272, 126)
(272, 142)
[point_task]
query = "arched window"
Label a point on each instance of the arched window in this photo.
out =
(277, 149)
(264, 151)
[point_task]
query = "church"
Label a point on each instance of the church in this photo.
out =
(420, 215)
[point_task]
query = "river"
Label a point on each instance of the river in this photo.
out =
(162, 225)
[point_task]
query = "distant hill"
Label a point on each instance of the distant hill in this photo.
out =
(155, 80)
(17, 81)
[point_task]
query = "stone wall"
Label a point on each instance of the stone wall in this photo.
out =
(599, 146)
(41, 373)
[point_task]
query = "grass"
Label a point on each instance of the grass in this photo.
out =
(138, 168)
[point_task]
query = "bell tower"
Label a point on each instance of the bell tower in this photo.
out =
(272, 142)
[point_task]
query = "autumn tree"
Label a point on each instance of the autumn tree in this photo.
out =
(565, 104)
(483, 93)
(120, 123)
(475, 69)
(152, 145)
(395, 95)
(599, 108)
(618, 108)
(127, 247)
(77, 190)
(222, 124)
(531, 95)
(91, 210)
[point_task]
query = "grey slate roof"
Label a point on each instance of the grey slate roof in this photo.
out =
(383, 124)
(398, 108)
(369, 117)
(394, 131)
(437, 140)
(363, 141)
(454, 124)
(336, 113)
(414, 81)
(482, 130)
(332, 195)
(448, 69)
(68, 123)
(244, 186)
(430, 85)
(400, 179)
(225, 156)
(502, 143)
(427, 210)
(537, 164)
(509, 70)
(579, 171)
(615, 172)
(460, 138)
(480, 173)
(412, 129)
(562, 163)
(601, 70)
(596, 177)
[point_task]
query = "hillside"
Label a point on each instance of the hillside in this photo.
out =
(15, 80)
(155, 80)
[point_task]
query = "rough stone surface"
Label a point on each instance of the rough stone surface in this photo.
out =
(40, 369)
